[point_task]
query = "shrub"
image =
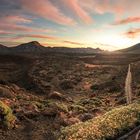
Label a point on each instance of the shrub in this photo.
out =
(58, 106)
(6, 117)
(38, 105)
(66, 84)
(78, 108)
(109, 125)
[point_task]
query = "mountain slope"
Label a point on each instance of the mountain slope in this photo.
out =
(133, 49)
(36, 47)
(33, 46)
(3, 49)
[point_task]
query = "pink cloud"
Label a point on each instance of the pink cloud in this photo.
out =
(2, 32)
(127, 20)
(74, 5)
(14, 27)
(11, 23)
(133, 33)
(15, 19)
(41, 36)
(116, 7)
(45, 9)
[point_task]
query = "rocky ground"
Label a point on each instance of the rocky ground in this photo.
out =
(48, 92)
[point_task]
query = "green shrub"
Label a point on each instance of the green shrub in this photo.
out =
(109, 125)
(59, 106)
(78, 108)
(38, 105)
(6, 116)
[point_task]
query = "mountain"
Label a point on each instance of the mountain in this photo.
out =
(36, 47)
(33, 46)
(135, 49)
(74, 50)
(3, 48)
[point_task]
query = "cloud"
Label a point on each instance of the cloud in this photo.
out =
(20, 24)
(118, 8)
(74, 43)
(74, 5)
(15, 19)
(13, 23)
(127, 20)
(37, 36)
(41, 36)
(45, 9)
(133, 33)
(104, 6)
(2, 32)
(14, 27)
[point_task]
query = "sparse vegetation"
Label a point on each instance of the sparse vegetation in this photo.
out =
(110, 125)
(53, 93)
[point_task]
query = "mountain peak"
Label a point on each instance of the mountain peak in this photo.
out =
(34, 43)
(32, 46)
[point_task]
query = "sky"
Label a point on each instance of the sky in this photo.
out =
(107, 24)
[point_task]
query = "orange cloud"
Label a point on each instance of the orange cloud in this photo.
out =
(71, 42)
(127, 20)
(74, 5)
(23, 36)
(42, 37)
(133, 33)
(45, 9)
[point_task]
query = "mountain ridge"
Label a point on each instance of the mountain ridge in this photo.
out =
(36, 47)
(132, 49)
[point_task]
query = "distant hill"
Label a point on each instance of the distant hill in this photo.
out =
(33, 46)
(74, 50)
(133, 49)
(3, 48)
(36, 47)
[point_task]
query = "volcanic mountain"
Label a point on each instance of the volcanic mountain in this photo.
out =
(33, 46)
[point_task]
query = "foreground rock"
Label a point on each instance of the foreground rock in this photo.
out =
(56, 95)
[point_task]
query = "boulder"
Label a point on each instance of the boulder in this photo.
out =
(5, 92)
(56, 95)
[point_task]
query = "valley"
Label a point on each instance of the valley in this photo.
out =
(50, 91)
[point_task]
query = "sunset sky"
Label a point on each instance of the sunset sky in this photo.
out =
(108, 24)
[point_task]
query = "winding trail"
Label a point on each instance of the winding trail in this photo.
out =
(128, 89)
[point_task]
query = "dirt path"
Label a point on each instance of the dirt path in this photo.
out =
(128, 90)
